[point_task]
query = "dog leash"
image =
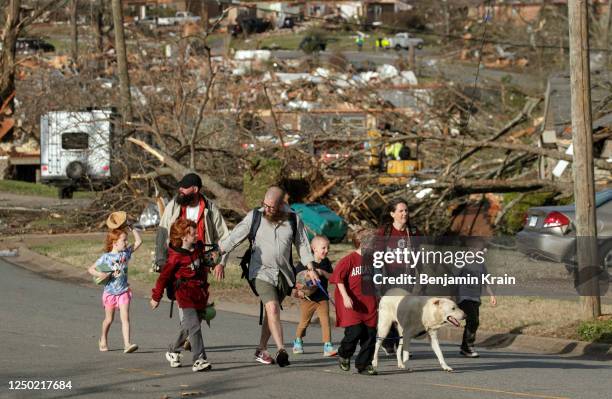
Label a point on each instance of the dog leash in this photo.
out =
(325, 292)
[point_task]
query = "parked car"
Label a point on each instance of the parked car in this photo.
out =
(75, 149)
(550, 233)
(288, 23)
(181, 17)
(33, 45)
(404, 40)
(249, 26)
(147, 21)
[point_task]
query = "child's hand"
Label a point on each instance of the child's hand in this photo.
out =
(348, 302)
(493, 300)
(154, 304)
(116, 273)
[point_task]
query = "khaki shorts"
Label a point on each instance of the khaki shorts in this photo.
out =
(268, 293)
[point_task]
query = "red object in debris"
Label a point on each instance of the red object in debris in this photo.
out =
(556, 219)
(105, 168)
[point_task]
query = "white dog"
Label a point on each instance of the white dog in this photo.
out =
(415, 316)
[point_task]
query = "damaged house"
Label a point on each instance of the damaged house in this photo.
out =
(557, 127)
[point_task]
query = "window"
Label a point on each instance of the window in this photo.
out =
(75, 141)
(377, 11)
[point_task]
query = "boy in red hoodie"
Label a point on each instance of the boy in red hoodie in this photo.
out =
(185, 272)
(355, 311)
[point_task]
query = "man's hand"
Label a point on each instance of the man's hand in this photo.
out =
(154, 304)
(493, 300)
(348, 302)
(219, 272)
(313, 275)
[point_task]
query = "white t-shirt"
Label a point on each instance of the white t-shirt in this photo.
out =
(192, 212)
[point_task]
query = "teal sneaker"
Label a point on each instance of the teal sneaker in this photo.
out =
(328, 350)
(298, 346)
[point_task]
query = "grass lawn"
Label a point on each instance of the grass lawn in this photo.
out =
(528, 315)
(40, 190)
(85, 251)
(291, 41)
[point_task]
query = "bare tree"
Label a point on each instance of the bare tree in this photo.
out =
(13, 26)
(122, 62)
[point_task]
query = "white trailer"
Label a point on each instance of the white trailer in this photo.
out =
(76, 149)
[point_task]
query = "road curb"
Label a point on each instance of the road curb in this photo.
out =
(56, 270)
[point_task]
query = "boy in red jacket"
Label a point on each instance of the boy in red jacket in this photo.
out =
(355, 311)
(185, 272)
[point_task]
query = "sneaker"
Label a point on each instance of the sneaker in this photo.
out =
(298, 346)
(201, 365)
(174, 358)
(469, 352)
(369, 370)
(263, 357)
(328, 350)
(344, 363)
(282, 358)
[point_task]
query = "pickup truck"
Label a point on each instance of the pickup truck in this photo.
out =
(181, 17)
(404, 40)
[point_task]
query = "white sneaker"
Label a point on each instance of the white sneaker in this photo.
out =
(174, 358)
(201, 365)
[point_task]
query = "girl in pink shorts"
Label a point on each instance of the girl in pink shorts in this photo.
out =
(117, 292)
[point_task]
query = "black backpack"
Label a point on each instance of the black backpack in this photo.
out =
(245, 261)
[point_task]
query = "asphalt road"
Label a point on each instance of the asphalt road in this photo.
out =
(49, 330)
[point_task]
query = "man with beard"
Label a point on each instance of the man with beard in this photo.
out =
(270, 270)
(190, 204)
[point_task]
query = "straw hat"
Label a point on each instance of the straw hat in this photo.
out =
(116, 220)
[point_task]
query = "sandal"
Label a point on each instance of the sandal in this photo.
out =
(130, 348)
(103, 348)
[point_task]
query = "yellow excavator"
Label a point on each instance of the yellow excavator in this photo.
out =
(403, 159)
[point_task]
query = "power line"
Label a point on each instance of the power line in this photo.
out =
(477, 75)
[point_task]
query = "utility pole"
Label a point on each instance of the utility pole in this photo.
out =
(582, 139)
(122, 65)
(605, 31)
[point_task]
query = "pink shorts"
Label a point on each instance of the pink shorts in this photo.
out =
(113, 301)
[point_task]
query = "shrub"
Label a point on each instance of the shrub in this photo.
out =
(514, 219)
(596, 331)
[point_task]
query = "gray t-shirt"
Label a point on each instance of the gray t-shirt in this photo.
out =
(272, 247)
